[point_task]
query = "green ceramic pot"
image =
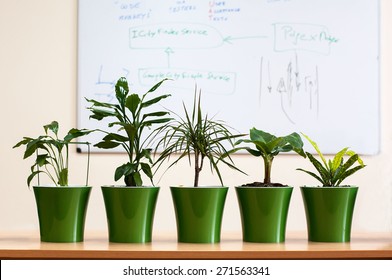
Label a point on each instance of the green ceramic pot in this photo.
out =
(62, 212)
(199, 212)
(264, 213)
(130, 212)
(329, 212)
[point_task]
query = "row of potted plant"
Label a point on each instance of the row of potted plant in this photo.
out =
(199, 209)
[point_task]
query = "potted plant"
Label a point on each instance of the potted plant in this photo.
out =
(130, 208)
(329, 207)
(61, 208)
(199, 209)
(264, 205)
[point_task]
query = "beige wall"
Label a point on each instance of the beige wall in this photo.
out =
(38, 50)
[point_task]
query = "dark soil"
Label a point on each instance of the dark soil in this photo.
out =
(261, 184)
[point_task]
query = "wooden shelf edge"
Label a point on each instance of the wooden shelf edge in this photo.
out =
(203, 255)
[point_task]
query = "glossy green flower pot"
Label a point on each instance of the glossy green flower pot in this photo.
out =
(329, 212)
(130, 213)
(264, 213)
(62, 212)
(199, 212)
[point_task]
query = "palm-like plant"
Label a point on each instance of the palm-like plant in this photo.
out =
(333, 172)
(130, 117)
(196, 137)
(52, 153)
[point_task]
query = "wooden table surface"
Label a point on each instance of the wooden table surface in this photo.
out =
(165, 246)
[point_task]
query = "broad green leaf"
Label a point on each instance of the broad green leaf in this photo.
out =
(107, 145)
(123, 170)
(42, 159)
(115, 137)
(121, 90)
(275, 144)
(137, 179)
(254, 152)
(31, 147)
(294, 139)
(262, 147)
(261, 136)
(146, 169)
(132, 102)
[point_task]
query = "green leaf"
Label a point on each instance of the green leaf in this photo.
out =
(349, 173)
(147, 154)
(324, 173)
(155, 114)
(25, 141)
(261, 136)
(312, 174)
(294, 139)
(31, 177)
(254, 152)
(124, 170)
(147, 170)
(75, 133)
(42, 159)
(156, 121)
(99, 104)
(63, 177)
(100, 113)
(156, 86)
(107, 145)
(154, 100)
(132, 103)
(53, 126)
(262, 147)
(115, 137)
(337, 160)
(314, 144)
(31, 147)
(137, 179)
(122, 90)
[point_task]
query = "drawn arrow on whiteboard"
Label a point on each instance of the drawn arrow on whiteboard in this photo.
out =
(229, 39)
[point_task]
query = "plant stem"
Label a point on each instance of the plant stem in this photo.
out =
(197, 170)
(267, 169)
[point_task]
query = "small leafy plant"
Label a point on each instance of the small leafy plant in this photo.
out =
(331, 173)
(52, 153)
(130, 117)
(268, 146)
(198, 137)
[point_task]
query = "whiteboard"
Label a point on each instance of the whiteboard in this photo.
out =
(308, 66)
